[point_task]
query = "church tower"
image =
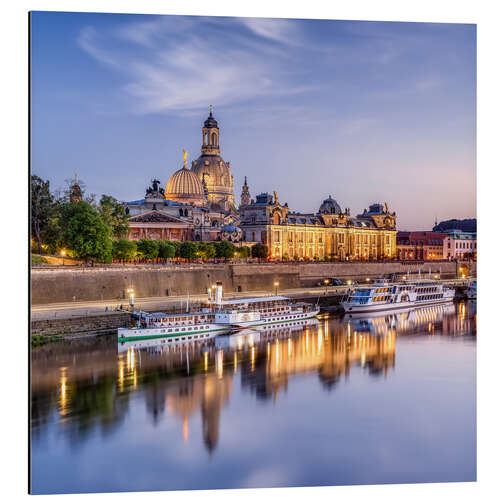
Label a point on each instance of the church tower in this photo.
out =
(213, 172)
(210, 134)
(245, 194)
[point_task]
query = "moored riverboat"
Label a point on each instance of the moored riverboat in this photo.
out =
(396, 296)
(219, 317)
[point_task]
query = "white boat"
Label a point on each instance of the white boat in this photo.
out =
(218, 317)
(396, 296)
(471, 290)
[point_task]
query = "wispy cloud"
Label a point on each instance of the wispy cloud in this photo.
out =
(89, 41)
(279, 30)
(180, 64)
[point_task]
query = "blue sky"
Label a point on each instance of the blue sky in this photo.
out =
(364, 111)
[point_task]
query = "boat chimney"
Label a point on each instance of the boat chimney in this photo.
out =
(218, 293)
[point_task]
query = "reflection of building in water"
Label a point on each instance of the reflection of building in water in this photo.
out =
(329, 353)
(207, 393)
(87, 385)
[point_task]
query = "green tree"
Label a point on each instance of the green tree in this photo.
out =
(124, 249)
(243, 252)
(260, 251)
(113, 214)
(224, 250)
(83, 231)
(177, 246)
(41, 207)
(165, 249)
(188, 250)
(147, 249)
(206, 251)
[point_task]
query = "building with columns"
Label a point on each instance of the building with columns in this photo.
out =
(331, 233)
(197, 203)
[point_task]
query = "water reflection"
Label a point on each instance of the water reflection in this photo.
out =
(93, 384)
(88, 383)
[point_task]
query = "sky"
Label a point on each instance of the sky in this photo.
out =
(363, 111)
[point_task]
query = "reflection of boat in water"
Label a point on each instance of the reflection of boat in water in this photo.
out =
(218, 317)
(161, 342)
(380, 323)
(248, 337)
(471, 290)
(396, 296)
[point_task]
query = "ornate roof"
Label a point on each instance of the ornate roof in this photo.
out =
(185, 186)
(211, 122)
(155, 216)
(330, 206)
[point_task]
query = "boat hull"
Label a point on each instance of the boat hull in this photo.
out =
(189, 333)
(350, 308)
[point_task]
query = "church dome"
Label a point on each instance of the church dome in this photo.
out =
(185, 187)
(216, 174)
(330, 206)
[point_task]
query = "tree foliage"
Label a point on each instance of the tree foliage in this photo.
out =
(260, 251)
(243, 252)
(166, 250)
(113, 214)
(147, 249)
(124, 249)
(224, 250)
(206, 251)
(41, 208)
(83, 231)
(188, 250)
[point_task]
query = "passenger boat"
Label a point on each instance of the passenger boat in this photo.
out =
(218, 317)
(471, 290)
(396, 295)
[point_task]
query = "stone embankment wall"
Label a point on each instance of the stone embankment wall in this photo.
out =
(108, 283)
(81, 325)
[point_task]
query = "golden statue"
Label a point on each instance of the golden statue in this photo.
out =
(386, 207)
(185, 157)
(275, 198)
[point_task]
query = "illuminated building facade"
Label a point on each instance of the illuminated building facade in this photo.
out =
(331, 233)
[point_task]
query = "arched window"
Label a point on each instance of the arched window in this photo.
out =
(180, 212)
(276, 218)
(214, 139)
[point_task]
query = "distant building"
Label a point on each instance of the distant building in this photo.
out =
(331, 233)
(420, 245)
(430, 245)
(460, 245)
(461, 241)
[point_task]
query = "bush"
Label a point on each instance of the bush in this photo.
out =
(260, 251)
(224, 250)
(188, 250)
(124, 249)
(243, 252)
(205, 251)
(166, 250)
(147, 249)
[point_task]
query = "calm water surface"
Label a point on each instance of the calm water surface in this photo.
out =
(384, 399)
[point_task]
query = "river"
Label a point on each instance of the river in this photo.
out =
(382, 399)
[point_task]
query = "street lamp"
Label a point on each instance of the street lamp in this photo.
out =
(63, 253)
(326, 284)
(276, 285)
(131, 296)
